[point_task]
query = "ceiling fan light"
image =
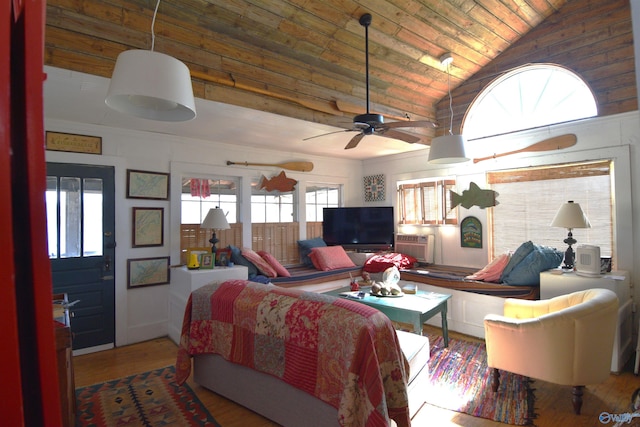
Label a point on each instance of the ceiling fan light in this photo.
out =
(151, 85)
(447, 149)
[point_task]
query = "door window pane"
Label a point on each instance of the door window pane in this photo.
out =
(51, 200)
(70, 217)
(92, 213)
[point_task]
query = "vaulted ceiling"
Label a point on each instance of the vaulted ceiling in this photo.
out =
(300, 59)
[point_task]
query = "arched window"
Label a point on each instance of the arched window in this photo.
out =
(528, 97)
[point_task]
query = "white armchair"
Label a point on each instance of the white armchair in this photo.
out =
(565, 340)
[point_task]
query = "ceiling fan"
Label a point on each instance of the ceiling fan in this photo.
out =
(373, 124)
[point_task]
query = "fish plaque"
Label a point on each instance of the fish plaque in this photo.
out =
(279, 182)
(474, 196)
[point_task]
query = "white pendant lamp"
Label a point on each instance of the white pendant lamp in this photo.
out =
(448, 148)
(151, 85)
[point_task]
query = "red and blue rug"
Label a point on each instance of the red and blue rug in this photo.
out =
(461, 381)
(150, 399)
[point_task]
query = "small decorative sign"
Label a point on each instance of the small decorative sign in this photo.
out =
(471, 233)
(57, 141)
(374, 188)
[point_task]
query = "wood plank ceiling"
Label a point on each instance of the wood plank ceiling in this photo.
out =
(300, 58)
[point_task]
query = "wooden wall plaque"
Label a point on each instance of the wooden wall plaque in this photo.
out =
(57, 141)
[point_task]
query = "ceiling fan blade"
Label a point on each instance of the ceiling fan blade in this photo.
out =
(354, 141)
(411, 124)
(390, 133)
(330, 133)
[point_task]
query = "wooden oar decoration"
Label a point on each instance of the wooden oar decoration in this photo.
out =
(554, 143)
(292, 166)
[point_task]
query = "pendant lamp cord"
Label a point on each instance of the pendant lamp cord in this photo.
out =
(450, 101)
(153, 23)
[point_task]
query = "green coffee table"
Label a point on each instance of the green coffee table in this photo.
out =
(410, 308)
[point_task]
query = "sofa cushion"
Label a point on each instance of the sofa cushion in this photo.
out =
(237, 258)
(380, 262)
(523, 250)
(330, 258)
(275, 264)
(527, 272)
(492, 271)
(263, 266)
(305, 246)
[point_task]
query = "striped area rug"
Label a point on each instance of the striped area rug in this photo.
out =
(461, 382)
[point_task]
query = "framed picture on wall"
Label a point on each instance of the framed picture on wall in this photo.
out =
(471, 233)
(147, 185)
(374, 188)
(148, 227)
(147, 272)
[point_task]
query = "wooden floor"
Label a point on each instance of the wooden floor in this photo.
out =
(553, 403)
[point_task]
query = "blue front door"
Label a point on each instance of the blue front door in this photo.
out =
(81, 242)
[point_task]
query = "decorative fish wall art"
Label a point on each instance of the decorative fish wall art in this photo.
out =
(474, 196)
(278, 182)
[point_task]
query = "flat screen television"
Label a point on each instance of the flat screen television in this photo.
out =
(359, 227)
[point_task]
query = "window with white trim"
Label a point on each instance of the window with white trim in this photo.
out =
(529, 199)
(271, 207)
(201, 194)
(427, 202)
(318, 197)
(528, 97)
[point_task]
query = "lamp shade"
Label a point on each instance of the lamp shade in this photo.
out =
(570, 215)
(447, 149)
(151, 85)
(215, 220)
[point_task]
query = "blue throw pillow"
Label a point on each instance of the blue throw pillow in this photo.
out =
(305, 246)
(527, 272)
(237, 258)
(521, 253)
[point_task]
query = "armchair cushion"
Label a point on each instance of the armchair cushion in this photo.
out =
(564, 340)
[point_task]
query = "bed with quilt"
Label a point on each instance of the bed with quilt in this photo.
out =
(313, 359)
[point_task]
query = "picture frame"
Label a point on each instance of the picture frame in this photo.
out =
(223, 256)
(147, 185)
(207, 261)
(374, 188)
(148, 227)
(471, 233)
(73, 143)
(147, 272)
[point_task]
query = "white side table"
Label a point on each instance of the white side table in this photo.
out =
(552, 285)
(185, 281)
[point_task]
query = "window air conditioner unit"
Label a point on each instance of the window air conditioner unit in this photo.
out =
(419, 247)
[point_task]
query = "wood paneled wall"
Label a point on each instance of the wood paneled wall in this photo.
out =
(590, 37)
(279, 239)
(193, 236)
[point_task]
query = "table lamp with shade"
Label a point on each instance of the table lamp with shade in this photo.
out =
(570, 216)
(215, 220)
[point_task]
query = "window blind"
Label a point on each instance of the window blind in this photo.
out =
(529, 199)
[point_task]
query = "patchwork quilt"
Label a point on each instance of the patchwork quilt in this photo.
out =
(342, 352)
